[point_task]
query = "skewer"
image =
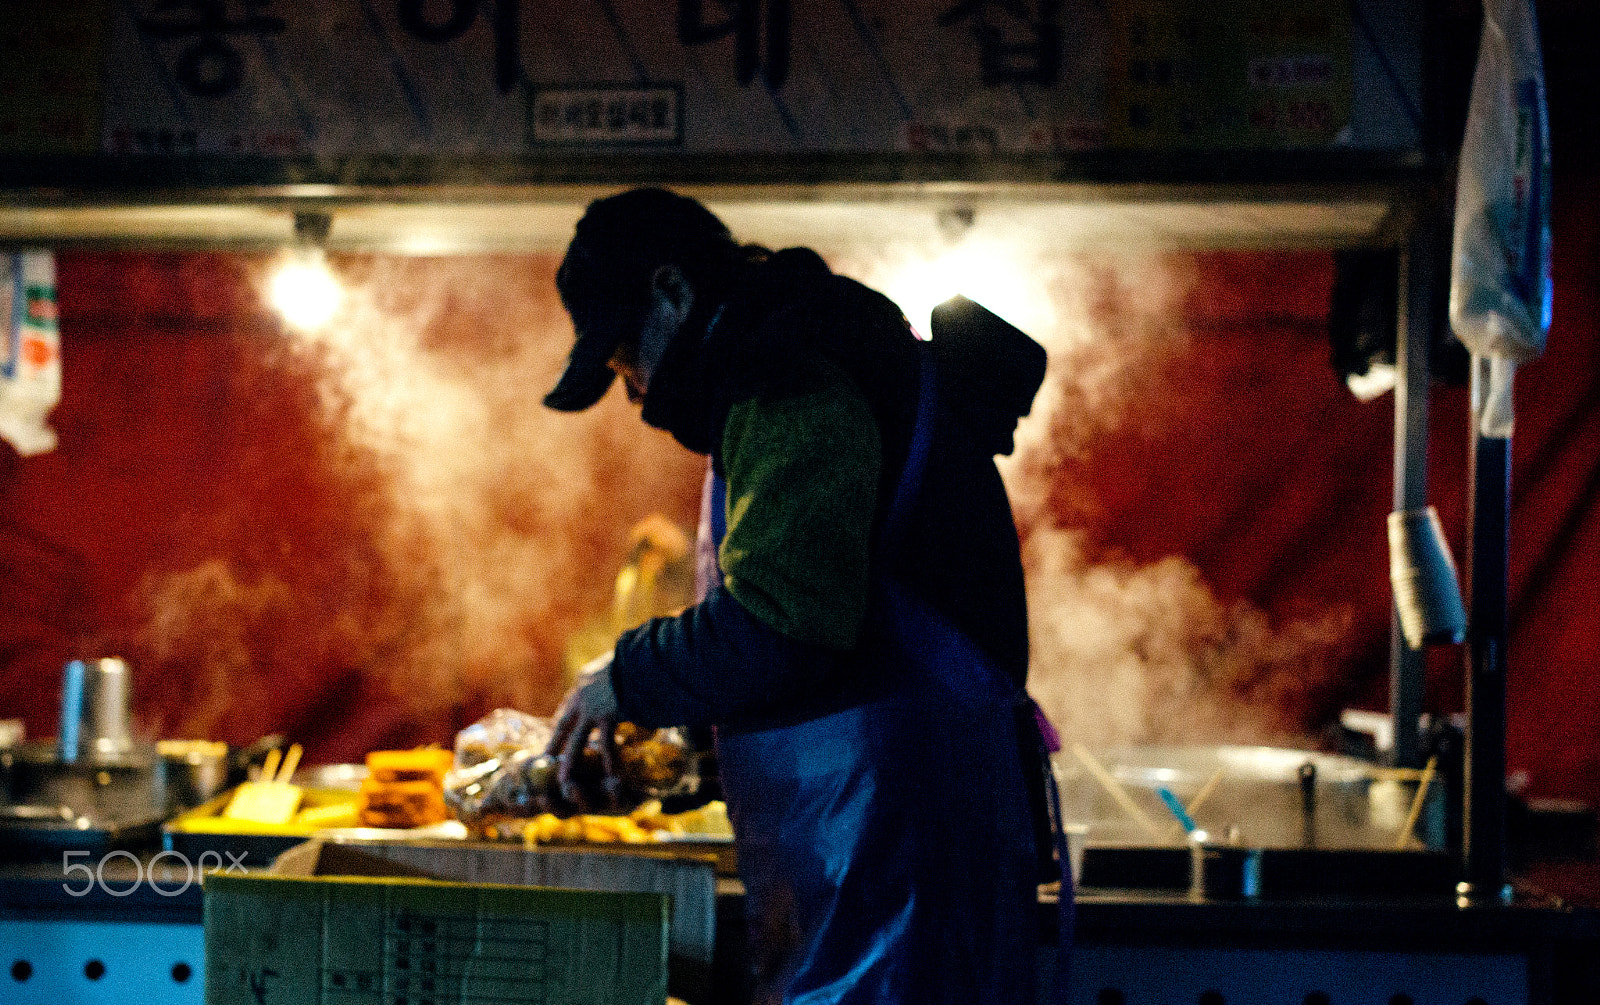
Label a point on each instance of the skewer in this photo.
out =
(1182, 815)
(290, 762)
(1416, 803)
(269, 767)
(1205, 793)
(1397, 774)
(1115, 789)
(1193, 809)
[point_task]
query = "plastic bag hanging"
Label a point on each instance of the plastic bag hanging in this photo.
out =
(30, 359)
(1500, 288)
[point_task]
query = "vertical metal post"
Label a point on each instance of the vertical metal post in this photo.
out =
(1419, 275)
(1483, 839)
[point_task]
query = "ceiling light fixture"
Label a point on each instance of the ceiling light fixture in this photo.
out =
(303, 289)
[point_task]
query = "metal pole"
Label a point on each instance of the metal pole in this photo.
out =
(1415, 317)
(1483, 844)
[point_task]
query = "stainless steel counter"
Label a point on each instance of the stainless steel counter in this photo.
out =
(125, 939)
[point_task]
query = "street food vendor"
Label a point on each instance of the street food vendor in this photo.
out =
(860, 647)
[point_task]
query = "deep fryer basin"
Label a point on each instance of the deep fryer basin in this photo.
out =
(1261, 797)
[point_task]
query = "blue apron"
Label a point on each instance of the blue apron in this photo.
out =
(887, 851)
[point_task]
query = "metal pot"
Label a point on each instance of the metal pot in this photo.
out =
(196, 770)
(11, 734)
(108, 787)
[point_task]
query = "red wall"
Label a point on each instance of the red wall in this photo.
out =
(358, 543)
(371, 539)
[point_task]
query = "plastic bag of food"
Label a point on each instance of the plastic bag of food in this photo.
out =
(502, 771)
(502, 732)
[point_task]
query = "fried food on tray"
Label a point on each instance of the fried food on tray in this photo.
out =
(644, 825)
(423, 765)
(404, 788)
(650, 762)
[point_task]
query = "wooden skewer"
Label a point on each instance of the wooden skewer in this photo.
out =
(1205, 793)
(1416, 803)
(269, 767)
(1112, 786)
(1397, 774)
(290, 762)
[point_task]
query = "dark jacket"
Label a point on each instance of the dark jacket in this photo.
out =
(716, 663)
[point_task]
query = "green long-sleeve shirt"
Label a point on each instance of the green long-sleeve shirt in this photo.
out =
(802, 471)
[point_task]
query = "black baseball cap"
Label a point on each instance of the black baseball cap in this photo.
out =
(604, 280)
(601, 329)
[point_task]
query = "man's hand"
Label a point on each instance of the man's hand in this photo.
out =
(590, 705)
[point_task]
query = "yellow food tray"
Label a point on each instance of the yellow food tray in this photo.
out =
(207, 818)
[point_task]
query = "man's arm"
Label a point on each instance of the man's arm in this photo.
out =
(802, 473)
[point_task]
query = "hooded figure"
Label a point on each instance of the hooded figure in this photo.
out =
(860, 645)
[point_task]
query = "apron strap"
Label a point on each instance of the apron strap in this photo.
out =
(1044, 734)
(905, 491)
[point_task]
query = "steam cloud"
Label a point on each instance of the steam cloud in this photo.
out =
(468, 530)
(1127, 652)
(460, 533)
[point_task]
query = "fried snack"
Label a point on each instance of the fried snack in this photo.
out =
(652, 764)
(585, 828)
(644, 825)
(404, 788)
(425, 765)
(710, 820)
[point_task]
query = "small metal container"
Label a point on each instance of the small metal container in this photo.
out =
(1222, 872)
(124, 787)
(195, 771)
(94, 709)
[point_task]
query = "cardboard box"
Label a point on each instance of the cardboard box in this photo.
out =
(392, 940)
(689, 880)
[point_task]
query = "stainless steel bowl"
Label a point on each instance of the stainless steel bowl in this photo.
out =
(347, 777)
(196, 770)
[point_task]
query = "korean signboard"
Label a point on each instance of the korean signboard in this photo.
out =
(313, 78)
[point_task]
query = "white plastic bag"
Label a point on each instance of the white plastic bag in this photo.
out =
(30, 359)
(1500, 288)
